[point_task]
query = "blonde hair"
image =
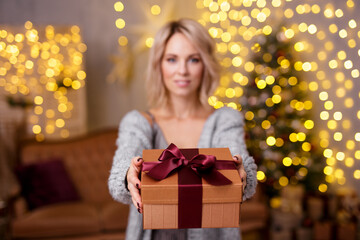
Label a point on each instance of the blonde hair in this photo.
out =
(156, 91)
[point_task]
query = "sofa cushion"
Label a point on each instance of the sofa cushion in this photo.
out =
(46, 182)
(62, 219)
(114, 216)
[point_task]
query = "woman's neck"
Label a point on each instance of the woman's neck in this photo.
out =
(183, 108)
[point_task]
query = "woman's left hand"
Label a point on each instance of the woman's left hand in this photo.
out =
(240, 167)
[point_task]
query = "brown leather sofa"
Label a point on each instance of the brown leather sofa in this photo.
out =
(95, 215)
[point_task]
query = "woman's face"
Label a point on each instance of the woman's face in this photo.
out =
(181, 66)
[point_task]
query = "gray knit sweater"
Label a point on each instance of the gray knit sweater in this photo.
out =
(223, 128)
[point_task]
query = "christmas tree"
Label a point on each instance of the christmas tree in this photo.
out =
(278, 117)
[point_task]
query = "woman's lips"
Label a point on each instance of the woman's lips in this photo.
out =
(182, 83)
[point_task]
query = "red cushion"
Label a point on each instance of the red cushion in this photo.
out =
(45, 183)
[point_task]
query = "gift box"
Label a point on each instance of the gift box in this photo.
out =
(190, 188)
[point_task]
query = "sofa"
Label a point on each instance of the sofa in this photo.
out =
(82, 208)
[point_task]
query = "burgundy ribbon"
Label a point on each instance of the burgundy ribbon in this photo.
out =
(172, 159)
(191, 167)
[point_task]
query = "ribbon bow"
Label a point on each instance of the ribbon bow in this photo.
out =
(171, 159)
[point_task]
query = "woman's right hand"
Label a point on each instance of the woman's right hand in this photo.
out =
(134, 184)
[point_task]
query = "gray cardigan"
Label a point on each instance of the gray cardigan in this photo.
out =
(223, 128)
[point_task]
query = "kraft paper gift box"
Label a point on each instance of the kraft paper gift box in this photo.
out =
(185, 199)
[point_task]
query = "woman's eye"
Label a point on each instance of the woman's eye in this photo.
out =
(170, 59)
(194, 60)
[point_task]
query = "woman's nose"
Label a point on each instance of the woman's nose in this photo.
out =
(183, 68)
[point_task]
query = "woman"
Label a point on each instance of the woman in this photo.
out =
(182, 74)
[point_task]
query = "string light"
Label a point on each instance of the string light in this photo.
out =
(42, 68)
(249, 15)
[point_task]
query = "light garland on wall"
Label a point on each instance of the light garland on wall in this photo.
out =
(42, 70)
(332, 70)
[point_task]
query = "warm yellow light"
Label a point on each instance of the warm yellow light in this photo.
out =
(349, 102)
(357, 136)
(283, 181)
(343, 33)
(36, 129)
(352, 43)
(226, 37)
(350, 144)
(328, 153)
(232, 105)
(293, 137)
(308, 105)
(330, 161)
(328, 170)
(249, 115)
(338, 136)
(309, 124)
(339, 13)
(276, 98)
(287, 162)
(346, 124)
(323, 187)
(312, 29)
(237, 61)
(213, 6)
(149, 42)
(306, 146)
(300, 9)
(81, 75)
(123, 41)
(225, 6)
(246, 20)
(50, 113)
(249, 66)
(355, 73)
(155, 10)
(261, 3)
(329, 13)
(329, 105)
(60, 123)
(275, 202)
(260, 176)
(357, 174)
(352, 23)
(265, 124)
(64, 133)
(333, 64)
(120, 23)
(119, 6)
(332, 124)
(330, 178)
(340, 156)
(322, 55)
(329, 46)
(218, 105)
(38, 100)
(276, 3)
(261, 84)
(288, 13)
(349, 162)
(267, 30)
(270, 141)
(230, 93)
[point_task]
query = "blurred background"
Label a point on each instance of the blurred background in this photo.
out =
(70, 68)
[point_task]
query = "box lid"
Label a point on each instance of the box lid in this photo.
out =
(166, 190)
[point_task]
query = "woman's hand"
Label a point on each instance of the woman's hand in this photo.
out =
(241, 169)
(133, 180)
